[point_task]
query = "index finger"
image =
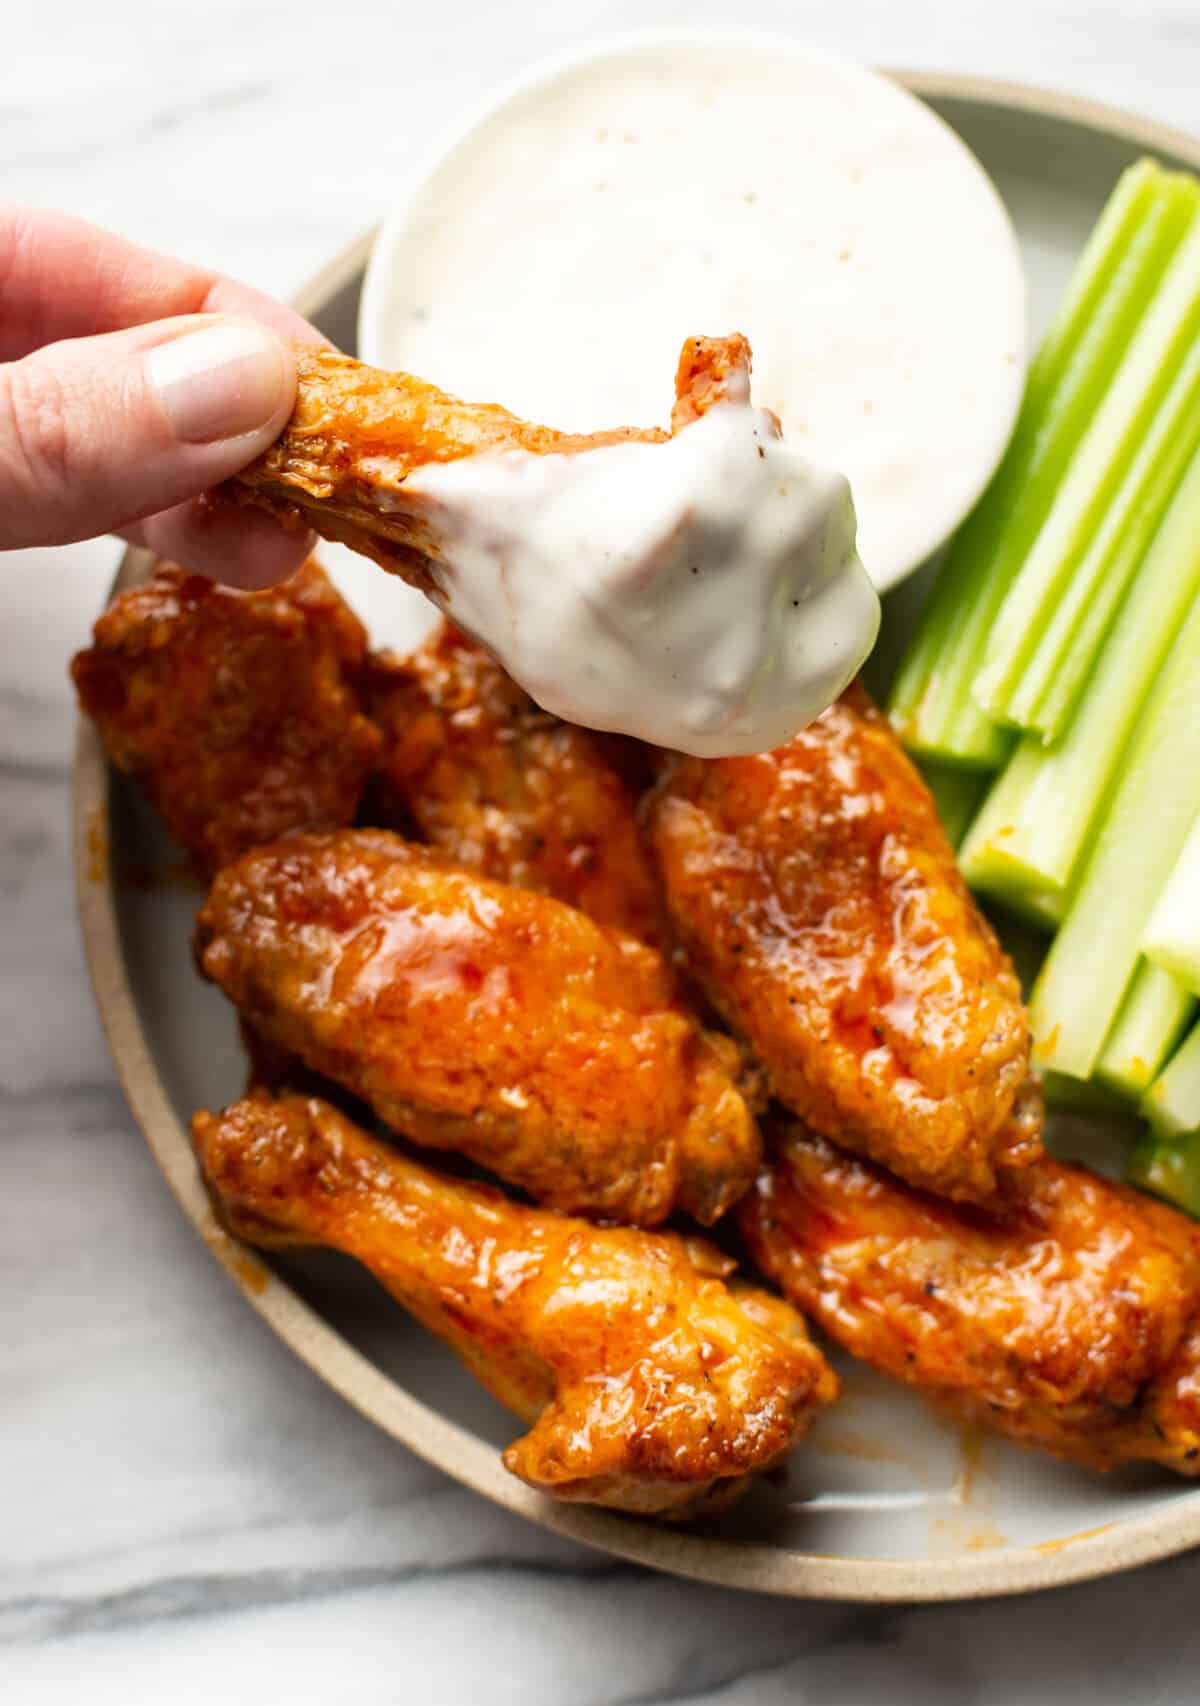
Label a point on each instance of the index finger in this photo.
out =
(63, 278)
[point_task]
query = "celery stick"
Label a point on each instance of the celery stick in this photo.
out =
(1083, 1096)
(1035, 907)
(932, 703)
(1095, 954)
(1153, 1017)
(1040, 909)
(984, 856)
(1036, 820)
(1062, 698)
(956, 793)
(1025, 638)
(1169, 1170)
(1172, 935)
(1049, 690)
(1136, 193)
(1172, 1103)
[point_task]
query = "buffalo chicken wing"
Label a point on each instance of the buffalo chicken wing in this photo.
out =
(1065, 1315)
(817, 903)
(357, 433)
(476, 1016)
(239, 713)
(651, 1382)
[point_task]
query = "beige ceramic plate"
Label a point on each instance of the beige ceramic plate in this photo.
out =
(883, 1503)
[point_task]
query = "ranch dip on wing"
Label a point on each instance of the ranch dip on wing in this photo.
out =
(703, 594)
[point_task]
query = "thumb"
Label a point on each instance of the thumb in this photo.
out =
(97, 433)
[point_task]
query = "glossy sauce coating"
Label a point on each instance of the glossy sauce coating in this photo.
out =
(507, 789)
(1066, 1316)
(648, 1385)
(476, 1016)
(239, 713)
(817, 902)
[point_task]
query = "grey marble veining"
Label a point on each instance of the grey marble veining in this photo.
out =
(186, 1514)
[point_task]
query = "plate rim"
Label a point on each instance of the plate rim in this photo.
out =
(748, 1565)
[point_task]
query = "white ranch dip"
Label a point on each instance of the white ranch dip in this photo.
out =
(703, 594)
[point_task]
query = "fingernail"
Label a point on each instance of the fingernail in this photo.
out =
(218, 382)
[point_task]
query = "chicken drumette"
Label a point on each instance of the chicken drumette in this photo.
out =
(1065, 1315)
(357, 433)
(651, 1383)
(239, 713)
(476, 1016)
(817, 903)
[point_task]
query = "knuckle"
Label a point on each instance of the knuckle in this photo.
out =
(43, 488)
(37, 427)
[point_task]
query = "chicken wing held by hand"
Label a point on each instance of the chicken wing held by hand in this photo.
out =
(1066, 1315)
(817, 902)
(357, 433)
(507, 789)
(238, 712)
(650, 1383)
(476, 1016)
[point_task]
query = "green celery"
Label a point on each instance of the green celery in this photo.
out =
(956, 794)
(984, 861)
(1167, 1160)
(1172, 935)
(1169, 1170)
(1083, 1096)
(1153, 1017)
(1094, 956)
(1150, 402)
(1061, 702)
(1045, 912)
(1172, 1103)
(1000, 822)
(1033, 826)
(1037, 908)
(932, 704)
(1049, 691)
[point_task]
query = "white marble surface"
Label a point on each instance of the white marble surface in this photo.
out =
(185, 1513)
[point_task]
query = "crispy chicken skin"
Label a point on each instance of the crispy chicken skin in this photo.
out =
(1066, 1315)
(239, 713)
(647, 1385)
(710, 370)
(507, 789)
(472, 1015)
(817, 903)
(357, 433)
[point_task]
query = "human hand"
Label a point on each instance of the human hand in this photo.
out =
(130, 383)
